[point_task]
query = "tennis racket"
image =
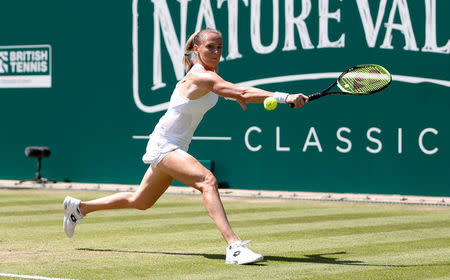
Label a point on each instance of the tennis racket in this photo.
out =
(359, 80)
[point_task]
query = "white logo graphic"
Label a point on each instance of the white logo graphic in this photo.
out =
(26, 66)
(3, 64)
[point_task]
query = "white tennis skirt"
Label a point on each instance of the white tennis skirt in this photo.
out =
(158, 148)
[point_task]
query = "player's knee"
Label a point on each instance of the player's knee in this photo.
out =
(209, 183)
(140, 204)
(143, 205)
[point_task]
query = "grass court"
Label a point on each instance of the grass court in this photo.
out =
(177, 240)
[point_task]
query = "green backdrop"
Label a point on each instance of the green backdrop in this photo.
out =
(113, 65)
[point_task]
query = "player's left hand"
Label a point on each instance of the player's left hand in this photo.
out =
(243, 106)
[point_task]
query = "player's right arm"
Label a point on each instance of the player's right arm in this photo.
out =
(213, 82)
(216, 84)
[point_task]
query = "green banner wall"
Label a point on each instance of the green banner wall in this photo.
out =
(91, 79)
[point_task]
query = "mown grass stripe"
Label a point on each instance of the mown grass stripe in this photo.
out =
(403, 267)
(204, 223)
(356, 252)
(178, 210)
(115, 216)
(45, 201)
(153, 213)
(30, 222)
(303, 237)
(336, 224)
(161, 223)
(30, 202)
(368, 249)
(346, 231)
(379, 238)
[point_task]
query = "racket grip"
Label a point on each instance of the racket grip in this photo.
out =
(314, 96)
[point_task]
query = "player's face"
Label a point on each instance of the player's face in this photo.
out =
(210, 50)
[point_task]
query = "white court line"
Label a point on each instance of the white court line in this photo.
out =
(140, 137)
(418, 80)
(210, 138)
(31, 277)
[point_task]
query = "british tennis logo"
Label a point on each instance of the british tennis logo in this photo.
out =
(26, 66)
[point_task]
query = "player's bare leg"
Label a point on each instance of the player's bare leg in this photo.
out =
(153, 185)
(188, 170)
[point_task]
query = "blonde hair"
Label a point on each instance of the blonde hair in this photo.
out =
(195, 39)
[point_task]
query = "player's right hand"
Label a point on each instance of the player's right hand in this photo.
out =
(299, 100)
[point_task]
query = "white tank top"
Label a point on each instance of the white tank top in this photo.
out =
(179, 123)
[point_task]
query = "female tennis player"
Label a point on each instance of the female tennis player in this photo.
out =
(166, 150)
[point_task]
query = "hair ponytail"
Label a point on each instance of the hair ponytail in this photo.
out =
(194, 39)
(189, 48)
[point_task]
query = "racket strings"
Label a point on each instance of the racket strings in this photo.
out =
(364, 80)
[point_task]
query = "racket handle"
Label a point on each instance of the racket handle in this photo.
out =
(314, 96)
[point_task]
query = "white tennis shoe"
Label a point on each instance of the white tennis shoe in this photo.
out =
(238, 253)
(72, 215)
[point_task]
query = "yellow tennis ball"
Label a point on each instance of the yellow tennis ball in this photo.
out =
(270, 103)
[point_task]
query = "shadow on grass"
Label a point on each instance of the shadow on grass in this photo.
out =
(327, 258)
